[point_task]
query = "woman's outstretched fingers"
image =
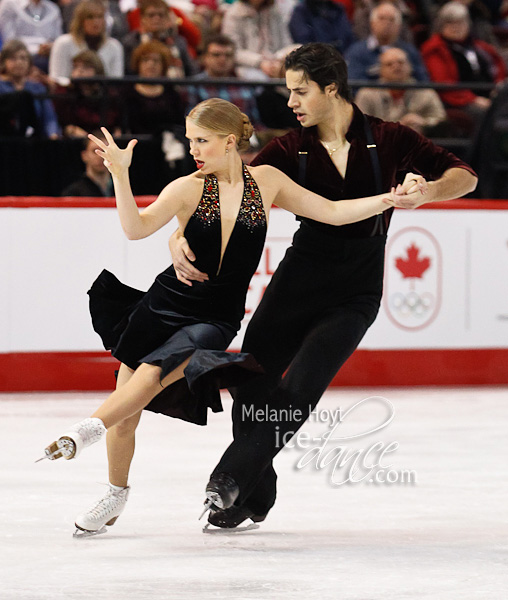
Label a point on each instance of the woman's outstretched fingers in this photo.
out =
(97, 141)
(107, 135)
(131, 144)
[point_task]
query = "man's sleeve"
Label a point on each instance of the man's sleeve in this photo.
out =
(421, 155)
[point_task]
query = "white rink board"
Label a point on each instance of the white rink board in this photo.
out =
(50, 256)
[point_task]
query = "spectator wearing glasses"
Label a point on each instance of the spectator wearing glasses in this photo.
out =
(158, 22)
(218, 61)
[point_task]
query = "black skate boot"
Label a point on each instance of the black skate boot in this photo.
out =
(233, 516)
(221, 492)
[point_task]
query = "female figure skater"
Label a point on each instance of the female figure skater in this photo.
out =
(171, 340)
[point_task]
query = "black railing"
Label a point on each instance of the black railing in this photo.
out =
(45, 167)
(226, 81)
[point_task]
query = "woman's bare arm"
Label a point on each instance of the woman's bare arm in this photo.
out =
(170, 202)
(300, 201)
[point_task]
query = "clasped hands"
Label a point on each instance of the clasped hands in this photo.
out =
(409, 194)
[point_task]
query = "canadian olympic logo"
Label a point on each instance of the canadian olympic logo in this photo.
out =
(413, 279)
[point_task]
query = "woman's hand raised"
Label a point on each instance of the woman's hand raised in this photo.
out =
(116, 160)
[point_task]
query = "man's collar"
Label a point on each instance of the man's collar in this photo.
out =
(310, 134)
(356, 128)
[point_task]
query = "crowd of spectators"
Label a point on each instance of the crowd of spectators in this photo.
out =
(45, 45)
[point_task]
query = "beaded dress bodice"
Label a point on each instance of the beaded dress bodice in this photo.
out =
(205, 229)
(223, 295)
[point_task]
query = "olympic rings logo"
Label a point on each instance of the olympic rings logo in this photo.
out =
(412, 304)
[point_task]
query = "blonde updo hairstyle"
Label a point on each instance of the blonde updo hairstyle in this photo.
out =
(223, 117)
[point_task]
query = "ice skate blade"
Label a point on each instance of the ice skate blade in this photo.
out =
(42, 458)
(208, 506)
(64, 447)
(209, 528)
(83, 533)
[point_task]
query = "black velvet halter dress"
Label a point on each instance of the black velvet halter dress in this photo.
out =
(172, 321)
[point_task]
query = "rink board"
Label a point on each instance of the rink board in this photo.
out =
(443, 320)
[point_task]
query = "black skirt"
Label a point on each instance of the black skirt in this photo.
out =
(136, 333)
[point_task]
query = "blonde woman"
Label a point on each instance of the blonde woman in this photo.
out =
(87, 32)
(171, 340)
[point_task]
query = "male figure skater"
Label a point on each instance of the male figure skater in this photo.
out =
(326, 292)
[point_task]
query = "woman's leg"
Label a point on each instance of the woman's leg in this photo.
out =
(121, 443)
(126, 401)
(129, 399)
(120, 439)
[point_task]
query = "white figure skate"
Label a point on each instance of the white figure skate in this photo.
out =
(105, 512)
(82, 434)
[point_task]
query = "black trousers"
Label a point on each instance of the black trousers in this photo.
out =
(323, 297)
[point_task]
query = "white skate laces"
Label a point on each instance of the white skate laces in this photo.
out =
(105, 512)
(82, 434)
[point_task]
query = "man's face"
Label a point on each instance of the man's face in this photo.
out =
(155, 20)
(385, 24)
(394, 65)
(92, 160)
(456, 31)
(219, 61)
(307, 100)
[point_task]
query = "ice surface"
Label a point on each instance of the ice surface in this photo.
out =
(442, 538)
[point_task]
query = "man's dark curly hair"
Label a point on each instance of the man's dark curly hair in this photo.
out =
(323, 64)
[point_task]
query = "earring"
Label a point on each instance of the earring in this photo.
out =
(227, 150)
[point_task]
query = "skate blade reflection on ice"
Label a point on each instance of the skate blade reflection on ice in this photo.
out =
(82, 533)
(209, 528)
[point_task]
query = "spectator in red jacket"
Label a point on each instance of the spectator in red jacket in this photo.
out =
(453, 55)
(186, 28)
(159, 22)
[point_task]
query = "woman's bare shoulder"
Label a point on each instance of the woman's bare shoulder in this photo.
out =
(188, 185)
(262, 169)
(265, 174)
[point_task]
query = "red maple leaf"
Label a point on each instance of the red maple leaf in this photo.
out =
(412, 265)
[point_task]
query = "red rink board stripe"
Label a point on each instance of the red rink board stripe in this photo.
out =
(93, 371)
(66, 202)
(142, 201)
